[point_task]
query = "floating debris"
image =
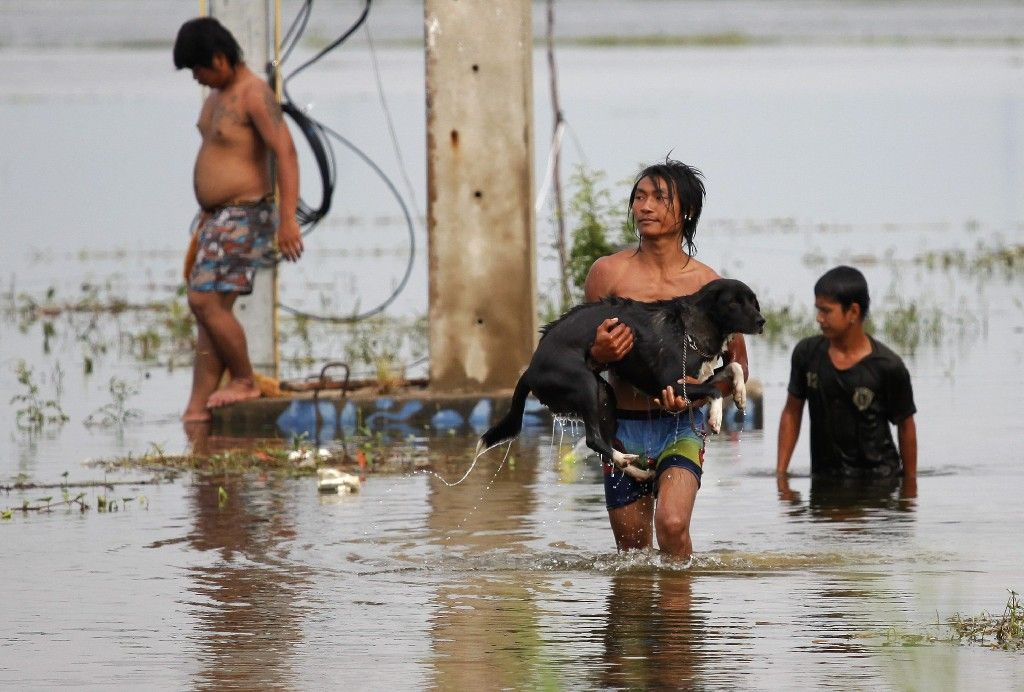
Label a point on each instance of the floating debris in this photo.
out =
(334, 481)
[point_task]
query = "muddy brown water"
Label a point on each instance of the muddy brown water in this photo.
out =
(510, 579)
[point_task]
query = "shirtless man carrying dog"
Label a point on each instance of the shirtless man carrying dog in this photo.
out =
(240, 124)
(665, 205)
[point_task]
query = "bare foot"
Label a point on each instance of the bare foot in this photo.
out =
(234, 391)
(196, 416)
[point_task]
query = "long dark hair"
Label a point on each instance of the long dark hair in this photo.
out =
(685, 184)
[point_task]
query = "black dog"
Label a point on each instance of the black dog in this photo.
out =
(684, 335)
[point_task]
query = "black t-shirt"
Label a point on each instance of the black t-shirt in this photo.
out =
(851, 409)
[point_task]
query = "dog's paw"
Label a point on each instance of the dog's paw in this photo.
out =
(739, 388)
(715, 415)
(739, 395)
(623, 460)
(639, 474)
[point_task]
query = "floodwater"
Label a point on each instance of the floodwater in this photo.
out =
(814, 155)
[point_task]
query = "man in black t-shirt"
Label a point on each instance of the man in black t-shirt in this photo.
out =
(854, 387)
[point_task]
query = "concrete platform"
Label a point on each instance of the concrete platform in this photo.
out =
(323, 415)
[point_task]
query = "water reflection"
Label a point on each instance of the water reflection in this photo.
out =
(848, 499)
(653, 636)
(247, 602)
(485, 632)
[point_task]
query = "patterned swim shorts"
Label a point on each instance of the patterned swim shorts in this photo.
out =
(665, 440)
(233, 243)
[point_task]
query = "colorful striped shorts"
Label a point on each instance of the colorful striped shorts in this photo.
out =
(664, 439)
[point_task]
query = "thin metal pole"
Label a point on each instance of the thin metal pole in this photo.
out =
(560, 239)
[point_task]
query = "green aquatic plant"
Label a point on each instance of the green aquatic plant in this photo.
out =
(116, 413)
(35, 411)
(1007, 260)
(728, 39)
(164, 332)
(998, 632)
(786, 324)
(46, 504)
(908, 324)
(371, 452)
(1005, 631)
(598, 228)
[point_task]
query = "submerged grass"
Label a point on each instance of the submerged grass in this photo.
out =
(1002, 632)
(369, 454)
(903, 324)
(1005, 260)
(1005, 631)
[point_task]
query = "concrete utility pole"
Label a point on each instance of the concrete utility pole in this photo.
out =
(482, 314)
(251, 23)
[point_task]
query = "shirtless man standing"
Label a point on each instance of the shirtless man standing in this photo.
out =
(665, 205)
(240, 124)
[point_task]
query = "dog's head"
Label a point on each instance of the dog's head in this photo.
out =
(733, 306)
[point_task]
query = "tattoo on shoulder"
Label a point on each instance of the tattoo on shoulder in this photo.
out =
(273, 107)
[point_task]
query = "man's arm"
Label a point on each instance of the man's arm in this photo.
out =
(267, 118)
(789, 432)
(906, 433)
(735, 353)
(613, 340)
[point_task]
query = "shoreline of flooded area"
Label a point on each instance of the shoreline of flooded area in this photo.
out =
(232, 570)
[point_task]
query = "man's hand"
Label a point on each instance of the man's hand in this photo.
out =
(612, 341)
(289, 239)
(672, 403)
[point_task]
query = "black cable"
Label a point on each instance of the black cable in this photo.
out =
(298, 27)
(311, 129)
(315, 133)
(412, 244)
(331, 46)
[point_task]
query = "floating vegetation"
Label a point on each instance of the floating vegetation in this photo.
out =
(784, 325)
(48, 503)
(116, 413)
(165, 332)
(1004, 632)
(98, 320)
(381, 347)
(300, 459)
(737, 39)
(997, 632)
(35, 411)
(985, 260)
(905, 325)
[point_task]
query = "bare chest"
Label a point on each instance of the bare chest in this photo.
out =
(223, 121)
(650, 287)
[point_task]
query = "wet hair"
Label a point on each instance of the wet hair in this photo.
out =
(685, 184)
(202, 38)
(846, 286)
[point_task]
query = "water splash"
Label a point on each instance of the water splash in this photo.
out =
(476, 458)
